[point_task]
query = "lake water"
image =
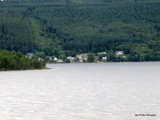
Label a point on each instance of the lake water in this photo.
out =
(110, 91)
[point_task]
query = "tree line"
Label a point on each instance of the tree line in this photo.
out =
(60, 30)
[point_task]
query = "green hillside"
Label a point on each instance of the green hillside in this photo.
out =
(68, 27)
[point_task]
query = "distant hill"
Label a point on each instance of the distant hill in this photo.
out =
(68, 27)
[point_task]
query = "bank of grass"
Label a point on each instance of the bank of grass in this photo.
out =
(17, 61)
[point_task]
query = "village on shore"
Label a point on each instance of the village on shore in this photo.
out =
(82, 58)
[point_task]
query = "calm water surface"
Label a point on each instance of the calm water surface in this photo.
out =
(111, 91)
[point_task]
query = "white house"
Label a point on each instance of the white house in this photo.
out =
(104, 58)
(55, 59)
(71, 59)
(119, 53)
(30, 55)
(59, 61)
(40, 59)
(82, 57)
(102, 53)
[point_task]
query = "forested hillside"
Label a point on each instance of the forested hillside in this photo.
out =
(68, 27)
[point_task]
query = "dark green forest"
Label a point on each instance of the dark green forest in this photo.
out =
(68, 27)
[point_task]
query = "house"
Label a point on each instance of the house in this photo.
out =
(50, 58)
(104, 58)
(30, 55)
(102, 53)
(71, 59)
(40, 59)
(119, 53)
(55, 59)
(82, 57)
(59, 61)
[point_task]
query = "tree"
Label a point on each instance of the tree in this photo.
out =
(90, 58)
(17, 61)
(111, 56)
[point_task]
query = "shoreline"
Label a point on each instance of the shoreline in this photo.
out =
(47, 68)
